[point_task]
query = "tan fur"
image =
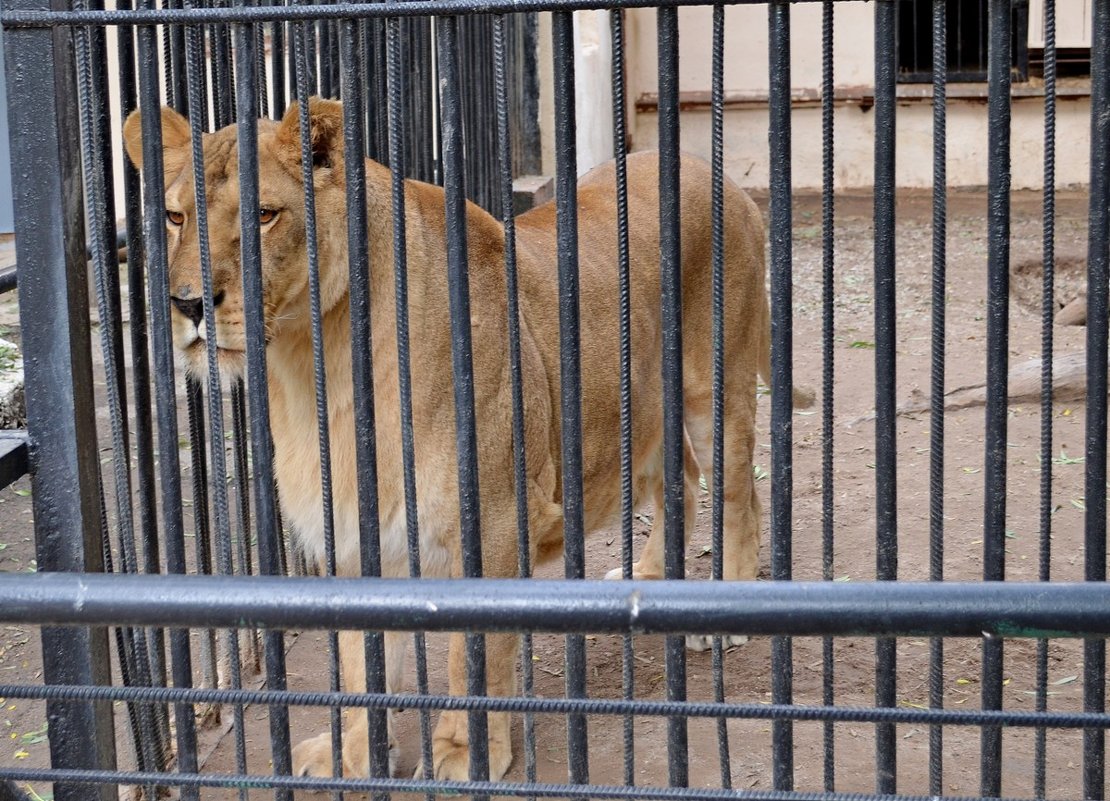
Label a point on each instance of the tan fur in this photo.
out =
(292, 398)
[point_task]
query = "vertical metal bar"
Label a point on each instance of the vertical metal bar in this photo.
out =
(936, 418)
(570, 385)
(1098, 272)
(259, 33)
(43, 128)
(366, 454)
(466, 432)
(222, 80)
(670, 273)
(265, 500)
(193, 54)
(154, 240)
(301, 49)
(628, 668)
(998, 310)
(327, 88)
(718, 477)
(277, 68)
(782, 488)
(1048, 311)
(97, 160)
(520, 463)
(177, 94)
(828, 369)
(241, 476)
(885, 449)
(140, 363)
(404, 366)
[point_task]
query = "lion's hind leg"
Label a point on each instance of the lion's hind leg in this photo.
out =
(652, 561)
(741, 506)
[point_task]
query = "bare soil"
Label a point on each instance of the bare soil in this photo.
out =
(748, 672)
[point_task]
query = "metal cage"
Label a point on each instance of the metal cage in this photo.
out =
(447, 91)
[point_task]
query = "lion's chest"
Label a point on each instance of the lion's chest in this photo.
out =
(297, 469)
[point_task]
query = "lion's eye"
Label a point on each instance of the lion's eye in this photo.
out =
(266, 215)
(175, 217)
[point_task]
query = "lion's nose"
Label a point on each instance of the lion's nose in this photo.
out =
(193, 308)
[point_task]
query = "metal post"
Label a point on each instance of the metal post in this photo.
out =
(43, 128)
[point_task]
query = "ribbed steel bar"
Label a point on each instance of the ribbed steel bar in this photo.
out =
(194, 54)
(782, 381)
(352, 74)
(1048, 312)
(620, 168)
(936, 381)
(520, 462)
(396, 145)
(828, 365)
(718, 468)
(267, 530)
(154, 241)
(344, 10)
(305, 74)
(609, 707)
(886, 504)
(452, 788)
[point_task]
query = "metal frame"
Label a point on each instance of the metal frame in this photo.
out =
(380, 59)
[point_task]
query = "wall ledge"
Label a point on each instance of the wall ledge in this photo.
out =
(864, 96)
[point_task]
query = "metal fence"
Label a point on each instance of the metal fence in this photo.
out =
(446, 90)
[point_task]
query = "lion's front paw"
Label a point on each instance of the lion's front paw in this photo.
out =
(703, 642)
(313, 757)
(639, 573)
(452, 761)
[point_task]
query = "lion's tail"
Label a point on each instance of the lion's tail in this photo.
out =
(803, 396)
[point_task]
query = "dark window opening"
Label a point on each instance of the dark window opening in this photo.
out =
(1071, 62)
(966, 56)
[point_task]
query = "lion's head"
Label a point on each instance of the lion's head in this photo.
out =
(281, 222)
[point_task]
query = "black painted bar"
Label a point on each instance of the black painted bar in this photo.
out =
(936, 378)
(886, 505)
(952, 609)
(782, 381)
(997, 357)
(49, 214)
(566, 204)
(1098, 274)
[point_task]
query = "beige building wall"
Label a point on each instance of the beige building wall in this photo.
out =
(746, 117)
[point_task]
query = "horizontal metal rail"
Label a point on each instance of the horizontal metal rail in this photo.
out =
(13, 455)
(694, 607)
(451, 788)
(9, 279)
(422, 8)
(562, 706)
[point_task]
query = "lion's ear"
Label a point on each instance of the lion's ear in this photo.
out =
(326, 126)
(175, 139)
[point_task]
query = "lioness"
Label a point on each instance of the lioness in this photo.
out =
(281, 219)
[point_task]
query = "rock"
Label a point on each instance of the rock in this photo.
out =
(13, 408)
(1075, 313)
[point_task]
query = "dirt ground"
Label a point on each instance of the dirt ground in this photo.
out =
(748, 668)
